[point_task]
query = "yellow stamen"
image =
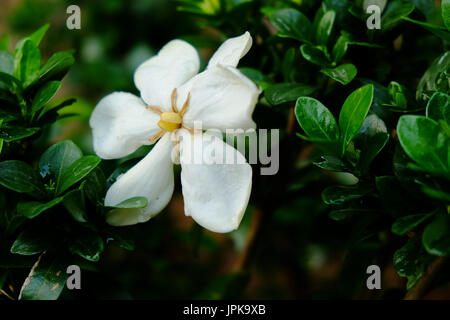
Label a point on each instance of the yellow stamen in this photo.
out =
(168, 126)
(171, 117)
(170, 121)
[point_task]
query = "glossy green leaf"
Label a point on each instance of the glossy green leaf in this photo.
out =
(439, 31)
(44, 95)
(31, 242)
(340, 47)
(20, 177)
(395, 11)
(410, 261)
(344, 73)
(434, 78)
(424, 142)
(46, 279)
(407, 223)
(325, 27)
(37, 36)
(32, 209)
(9, 82)
(57, 159)
(315, 119)
(284, 92)
(88, 246)
(56, 66)
(342, 194)
(291, 23)
(445, 9)
(27, 61)
(74, 202)
(436, 236)
(331, 163)
(353, 113)
(314, 55)
(77, 171)
(370, 139)
(11, 133)
(438, 107)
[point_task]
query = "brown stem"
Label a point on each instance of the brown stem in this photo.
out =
(422, 285)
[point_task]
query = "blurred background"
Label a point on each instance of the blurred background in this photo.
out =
(300, 254)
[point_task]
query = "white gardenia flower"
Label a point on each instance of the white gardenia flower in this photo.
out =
(173, 96)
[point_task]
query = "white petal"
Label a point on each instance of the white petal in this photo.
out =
(231, 51)
(152, 178)
(221, 98)
(215, 195)
(121, 124)
(175, 63)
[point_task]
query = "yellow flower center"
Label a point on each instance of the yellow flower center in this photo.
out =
(170, 121)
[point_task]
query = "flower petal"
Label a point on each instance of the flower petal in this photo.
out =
(215, 194)
(152, 178)
(231, 51)
(221, 97)
(175, 63)
(121, 124)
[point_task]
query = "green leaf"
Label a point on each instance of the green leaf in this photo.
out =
(77, 171)
(37, 36)
(436, 236)
(434, 78)
(11, 133)
(331, 163)
(74, 202)
(315, 119)
(398, 95)
(49, 111)
(27, 61)
(344, 73)
(46, 280)
(31, 242)
(370, 139)
(9, 82)
(341, 194)
(325, 27)
(353, 113)
(135, 202)
(410, 261)
(32, 209)
(439, 31)
(407, 223)
(340, 47)
(438, 107)
(395, 11)
(95, 186)
(88, 246)
(56, 66)
(445, 9)
(44, 95)
(424, 142)
(283, 92)
(344, 214)
(6, 62)
(314, 55)
(57, 159)
(291, 23)
(256, 76)
(20, 177)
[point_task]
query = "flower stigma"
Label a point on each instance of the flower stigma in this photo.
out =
(172, 120)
